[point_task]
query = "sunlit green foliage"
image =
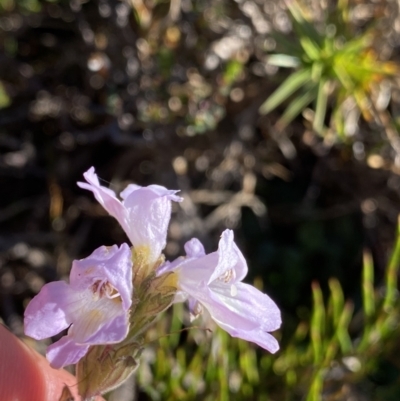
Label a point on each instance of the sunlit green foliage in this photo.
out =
(339, 346)
(332, 65)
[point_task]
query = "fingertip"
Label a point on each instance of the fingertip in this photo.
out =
(25, 375)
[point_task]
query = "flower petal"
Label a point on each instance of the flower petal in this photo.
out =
(245, 312)
(96, 320)
(144, 213)
(106, 197)
(200, 267)
(261, 338)
(229, 258)
(106, 263)
(251, 307)
(45, 316)
(158, 190)
(149, 211)
(220, 312)
(65, 352)
(194, 249)
(194, 270)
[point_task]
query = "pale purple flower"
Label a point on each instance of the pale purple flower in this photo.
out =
(143, 213)
(213, 282)
(94, 306)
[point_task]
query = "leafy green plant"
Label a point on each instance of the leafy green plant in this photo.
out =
(332, 65)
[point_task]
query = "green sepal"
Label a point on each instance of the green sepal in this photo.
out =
(105, 367)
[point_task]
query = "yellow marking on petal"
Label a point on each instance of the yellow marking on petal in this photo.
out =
(88, 324)
(142, 265)
(95, 314)
(141, 255)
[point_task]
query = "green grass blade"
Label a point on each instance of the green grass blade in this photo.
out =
(368, 286)
(317, 329)
(337, 118)
(320, 111)
(337, 299)
(342, 76)
(391, 274)
(368, 301)
(343, 335)
(315, 392)
(287, 88)
(312, 50)
(357, 45)
(295, 108)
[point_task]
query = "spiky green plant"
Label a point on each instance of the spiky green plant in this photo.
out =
(332, 65)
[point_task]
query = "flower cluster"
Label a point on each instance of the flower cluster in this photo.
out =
(116, 292)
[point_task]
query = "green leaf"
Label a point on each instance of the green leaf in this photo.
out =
(316, 387)
(302, 26)
(368, 286)
(295, 108)
(368, 301)
(357, 45)
(391, 274)
(337, 299)
(232, 71)
(317, 329)
(312, 50)
(288, 46)
(320, 111)
(287, 88)
(342, 76)
(283, 60)
(343, 328)
(337, 118)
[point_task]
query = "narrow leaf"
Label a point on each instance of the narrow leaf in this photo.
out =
(287, 88)
(343, 328)
(295, 108)
(368, 286)
(320, 111)
(317, 323)
(391, 274)
(312, 50)
(283, 60)
(337, 299)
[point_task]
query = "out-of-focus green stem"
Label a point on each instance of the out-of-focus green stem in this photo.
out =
(368, 288)
(391, 274)
(337, 299)
(317, 323)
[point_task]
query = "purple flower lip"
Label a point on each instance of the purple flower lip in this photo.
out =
(94, 306)
(213, 282)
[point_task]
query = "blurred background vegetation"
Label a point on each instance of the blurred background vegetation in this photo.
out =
(278, 119)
